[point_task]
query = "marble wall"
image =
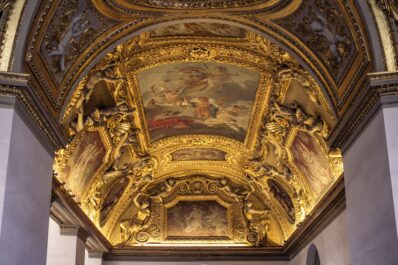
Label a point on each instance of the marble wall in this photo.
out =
(331, 243)
(370, 170)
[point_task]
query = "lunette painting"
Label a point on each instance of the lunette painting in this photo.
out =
(198, 98)
(197, 219)
(312, 162)
(84, 161)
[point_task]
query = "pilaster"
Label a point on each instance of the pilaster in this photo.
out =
(93, 258)
(66, 244)
(25, 188)
(370, 154)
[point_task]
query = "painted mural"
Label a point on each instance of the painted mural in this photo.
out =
(312, 162)
(198, 98)
(85, 160)
(197, 219)
(198, 154)
(201, 29)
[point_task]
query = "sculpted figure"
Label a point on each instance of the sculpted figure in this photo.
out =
(142, 175)
(297, 117)
(256, 170)
(223, 185)
(131, 227)
(76, 27)
(140, 171)
(288, 113)
(258, 222)
(320, 27)
(85, 96)
(122, 110)
(166, 187)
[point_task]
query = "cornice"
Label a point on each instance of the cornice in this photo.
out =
(379, 90)
(74, 230)
(17, 86)
(95, 254)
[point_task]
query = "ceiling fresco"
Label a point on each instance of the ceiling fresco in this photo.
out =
(198, 98)
(218, 144)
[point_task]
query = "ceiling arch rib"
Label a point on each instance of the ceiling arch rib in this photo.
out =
(216, 119)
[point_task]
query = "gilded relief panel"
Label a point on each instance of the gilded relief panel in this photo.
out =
(75, 25)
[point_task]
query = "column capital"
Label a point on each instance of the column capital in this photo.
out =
(380, 90)
(73, 230)
(96, 254)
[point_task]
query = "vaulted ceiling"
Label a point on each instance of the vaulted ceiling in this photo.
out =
(198, 123)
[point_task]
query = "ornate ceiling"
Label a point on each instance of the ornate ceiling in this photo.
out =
(197, 123)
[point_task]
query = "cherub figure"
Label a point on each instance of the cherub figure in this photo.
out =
(224, 186)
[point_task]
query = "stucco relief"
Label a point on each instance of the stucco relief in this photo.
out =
(321, 26)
